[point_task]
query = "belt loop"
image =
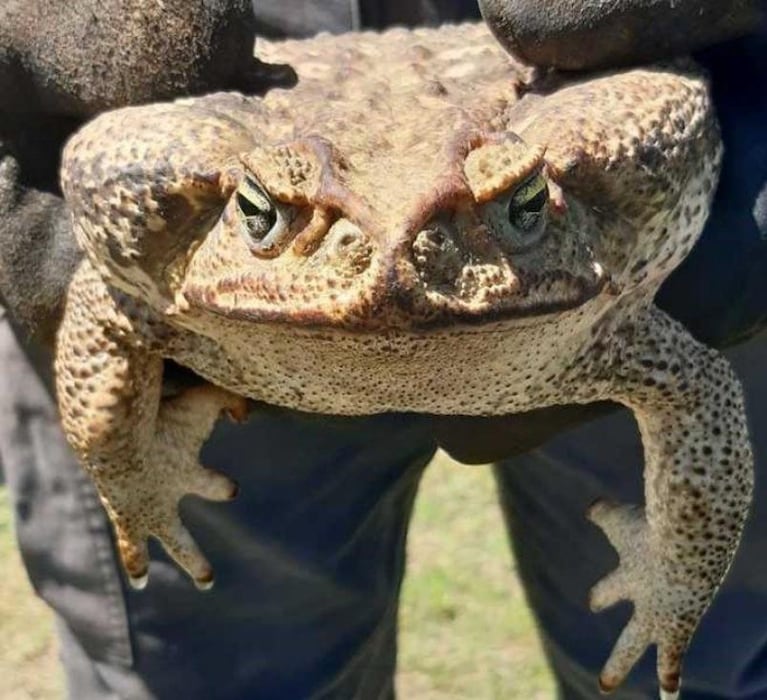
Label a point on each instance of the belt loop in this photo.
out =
(356, 15)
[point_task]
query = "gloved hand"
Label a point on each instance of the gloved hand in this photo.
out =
(587, 35)
(77, 59)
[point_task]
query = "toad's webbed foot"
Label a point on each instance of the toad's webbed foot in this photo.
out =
(666, 608)
(141, 450)
(142, 495)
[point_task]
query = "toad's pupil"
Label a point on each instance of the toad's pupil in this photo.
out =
(248, 207)
(536, 203)
(260, 224)
(258, 220)
(527, 204)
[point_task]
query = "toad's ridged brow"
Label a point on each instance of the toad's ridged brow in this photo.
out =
(497, 167)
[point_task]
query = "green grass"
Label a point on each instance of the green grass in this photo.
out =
(28, 662)
(465, 629)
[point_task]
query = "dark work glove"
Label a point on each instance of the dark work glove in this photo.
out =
(587, 35)
(38, 253)
(59, 57)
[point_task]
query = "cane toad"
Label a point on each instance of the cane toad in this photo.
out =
(413, 227)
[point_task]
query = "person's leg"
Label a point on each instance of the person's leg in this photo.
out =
(62, 534)
(560, 555)
(309, 558)
(309, 561)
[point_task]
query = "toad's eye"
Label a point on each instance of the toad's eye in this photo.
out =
(264, 228)
(528, 203)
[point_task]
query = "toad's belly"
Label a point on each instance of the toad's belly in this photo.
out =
(488, 370)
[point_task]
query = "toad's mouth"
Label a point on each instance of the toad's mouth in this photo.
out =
(396, 301)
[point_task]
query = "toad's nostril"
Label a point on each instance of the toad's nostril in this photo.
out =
(350, 248)
(436, 255)
(348, 238)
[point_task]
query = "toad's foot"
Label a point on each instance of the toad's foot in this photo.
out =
(141, 451)
(666, 607)
(142, 497)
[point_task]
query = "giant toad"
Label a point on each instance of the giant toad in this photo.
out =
(411, 228)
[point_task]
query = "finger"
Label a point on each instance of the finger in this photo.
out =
(611, 589)
(669, 670)
(623, 525)
(629, 648)
(181, 547)
(132, 549)
(211, 484)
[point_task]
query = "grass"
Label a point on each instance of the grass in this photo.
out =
(466, 631)
(29, 668)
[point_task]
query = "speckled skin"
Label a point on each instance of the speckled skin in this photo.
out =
(398, 283)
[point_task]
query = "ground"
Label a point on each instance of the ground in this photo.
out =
(466, 631)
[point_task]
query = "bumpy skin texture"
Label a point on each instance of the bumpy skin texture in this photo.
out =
(398, 275)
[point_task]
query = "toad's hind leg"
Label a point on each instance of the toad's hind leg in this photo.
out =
(141, 451)
(675, 551)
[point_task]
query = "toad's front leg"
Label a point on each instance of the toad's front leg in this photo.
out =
(675, 551)
(140, 450)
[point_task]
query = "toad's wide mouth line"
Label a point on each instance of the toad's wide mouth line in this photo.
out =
(403, 314)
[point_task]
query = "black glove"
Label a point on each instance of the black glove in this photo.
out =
(583, 34)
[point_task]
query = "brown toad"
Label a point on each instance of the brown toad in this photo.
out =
(408, 229)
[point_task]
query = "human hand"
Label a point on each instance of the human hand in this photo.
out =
(586, 35)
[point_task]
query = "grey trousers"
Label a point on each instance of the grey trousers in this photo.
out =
(311, 556)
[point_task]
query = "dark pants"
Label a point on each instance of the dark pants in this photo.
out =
(311, 556)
